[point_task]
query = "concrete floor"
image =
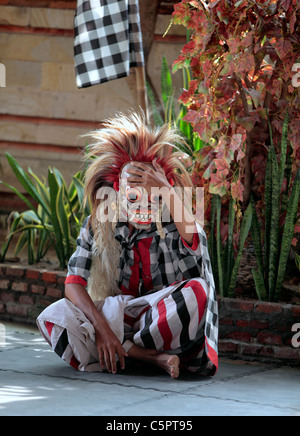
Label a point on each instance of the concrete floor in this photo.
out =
(34, 382)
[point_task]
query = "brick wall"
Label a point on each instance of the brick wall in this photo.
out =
(249, 330)
(25, 292)
(258, 330)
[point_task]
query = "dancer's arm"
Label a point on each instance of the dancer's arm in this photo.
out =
(108, 344)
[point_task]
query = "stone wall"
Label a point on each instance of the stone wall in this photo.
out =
(42, 113)
(249, 330)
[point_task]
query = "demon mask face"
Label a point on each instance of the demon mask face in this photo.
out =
(137, 204)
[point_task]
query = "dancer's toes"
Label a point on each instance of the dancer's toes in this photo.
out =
(173, 363)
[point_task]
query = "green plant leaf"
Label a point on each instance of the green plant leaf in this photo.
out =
(43, 244)
(54, 188)
(166, 82)
(229, 252)
(256, 238)
(6, 245)
(186, 74)
(169, 110)
(219, 247)
(63, 220)
(25, 180)
(18, 193)
(212, 243)
(158, 120)
(259, 285)
(284, 144)
(43, 191)
(21, 243)
(288, 233)
(268, 213)
(274, 229)
(79, 186)
(244, 232)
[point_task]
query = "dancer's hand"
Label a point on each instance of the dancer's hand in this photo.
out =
(108, 346)
(147, 176)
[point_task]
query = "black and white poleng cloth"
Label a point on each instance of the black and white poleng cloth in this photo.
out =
(108, 40)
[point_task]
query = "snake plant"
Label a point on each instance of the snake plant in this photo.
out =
(270, 274)
(225, 264)
(54, 218)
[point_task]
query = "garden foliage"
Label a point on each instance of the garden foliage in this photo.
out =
(243, 56)
(54, 217)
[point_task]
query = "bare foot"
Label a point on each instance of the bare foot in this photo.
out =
(169, 363)
(165, 361)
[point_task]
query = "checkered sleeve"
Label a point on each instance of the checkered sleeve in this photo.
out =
(194, 260)
(80, 262)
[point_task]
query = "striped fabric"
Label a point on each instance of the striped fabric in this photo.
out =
(171, 320)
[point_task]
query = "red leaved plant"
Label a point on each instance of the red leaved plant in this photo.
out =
(244, 56)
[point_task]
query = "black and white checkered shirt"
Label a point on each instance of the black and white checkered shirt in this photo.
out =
(108, 40)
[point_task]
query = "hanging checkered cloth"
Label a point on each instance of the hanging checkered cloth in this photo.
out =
(108, 40)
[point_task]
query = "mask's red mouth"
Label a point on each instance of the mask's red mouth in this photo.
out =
(142, 217)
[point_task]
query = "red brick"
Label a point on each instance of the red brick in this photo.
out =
(226, 321)
(252, 349)
(296, 312)
(54, 293)
(287, 353)
(283, 326)
(26, 300)
(268, 308)
(49, 277)
(6, 297)
(244, 306)
(36, 289)
(228, 347)
(61, 279)
(43, 302)
(4, 284)
(32, 274)
(2, 308)
(2, 271)
(242, 323)
(267, 352)
(255, 323)
(20, 286)
(15, 271)
(16, 309)
(239, 336)
(269, 338)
